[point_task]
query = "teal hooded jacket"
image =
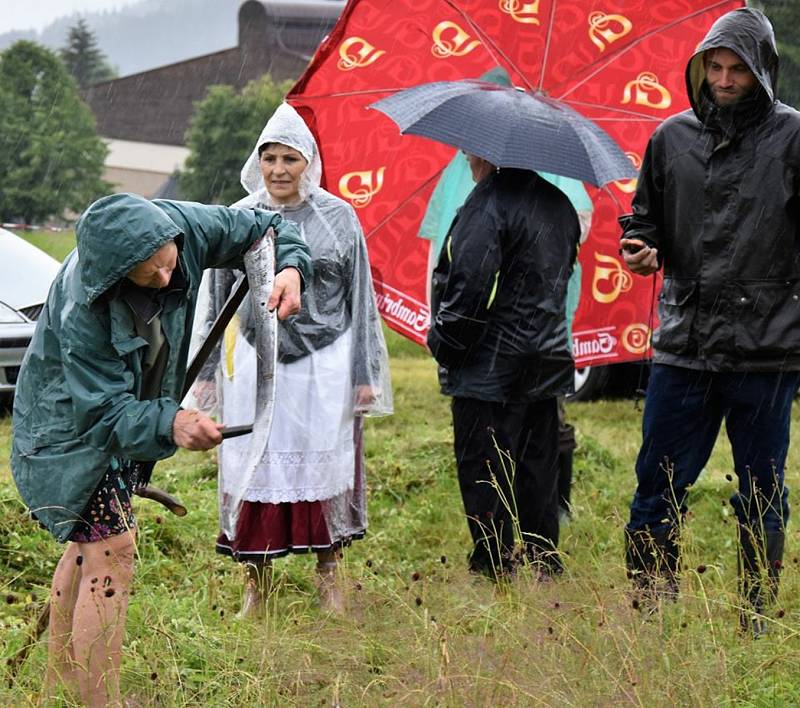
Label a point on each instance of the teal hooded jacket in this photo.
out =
(77, 409)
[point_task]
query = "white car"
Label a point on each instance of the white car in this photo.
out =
(25, 276)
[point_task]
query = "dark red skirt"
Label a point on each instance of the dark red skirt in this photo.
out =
(272, 530)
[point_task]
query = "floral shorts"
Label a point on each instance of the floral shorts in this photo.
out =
(109, 511)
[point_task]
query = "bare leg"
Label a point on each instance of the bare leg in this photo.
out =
(256, 589)
(331, 595)
(63, 594)
(99, 617)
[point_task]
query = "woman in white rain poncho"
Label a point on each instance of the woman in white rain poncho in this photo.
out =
(308, 492)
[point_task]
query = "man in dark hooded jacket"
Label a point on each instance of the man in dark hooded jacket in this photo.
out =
(717, 207)
(499, 332)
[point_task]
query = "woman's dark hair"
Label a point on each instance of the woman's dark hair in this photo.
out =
(263, 147)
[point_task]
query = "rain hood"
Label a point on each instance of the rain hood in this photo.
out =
(746, 32)
(114, 235)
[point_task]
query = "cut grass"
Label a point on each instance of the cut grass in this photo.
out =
(446, 638)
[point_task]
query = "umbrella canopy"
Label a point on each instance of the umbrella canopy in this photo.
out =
(509, 127)
(620, 63)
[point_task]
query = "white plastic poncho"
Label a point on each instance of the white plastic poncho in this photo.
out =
(333, 364)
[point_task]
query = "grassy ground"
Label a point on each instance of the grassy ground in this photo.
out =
(420, 630)
(57, 243)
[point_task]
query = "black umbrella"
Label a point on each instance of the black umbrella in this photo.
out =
(509, 127)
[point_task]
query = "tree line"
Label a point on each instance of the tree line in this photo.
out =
(51, 158)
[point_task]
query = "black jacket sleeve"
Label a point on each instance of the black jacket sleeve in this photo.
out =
(464, 282)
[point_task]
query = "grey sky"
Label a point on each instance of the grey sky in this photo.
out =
(36, 14)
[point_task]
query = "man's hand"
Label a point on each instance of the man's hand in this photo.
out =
(641, 259)
(194, 431)
(286, 293)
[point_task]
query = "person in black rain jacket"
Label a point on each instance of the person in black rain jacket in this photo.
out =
(499, 333)
(717, 207)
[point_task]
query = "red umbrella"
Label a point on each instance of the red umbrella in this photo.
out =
(618, 62)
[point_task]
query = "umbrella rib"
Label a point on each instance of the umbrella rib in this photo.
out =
(489, 44)
(547, 44)
(345, 94)
(413, 194)
(623, 111)
(614, 57)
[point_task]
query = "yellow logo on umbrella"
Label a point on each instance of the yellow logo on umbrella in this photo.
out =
(450, 40)
(646, 91)
(360, 187)
(613, 273)
(636, 338)
(526, 13)
(607, 29)
(356, 52)
(629, 185)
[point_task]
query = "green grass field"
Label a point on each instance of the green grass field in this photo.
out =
(445, 639)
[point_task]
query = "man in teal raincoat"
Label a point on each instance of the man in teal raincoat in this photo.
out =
(100, 386)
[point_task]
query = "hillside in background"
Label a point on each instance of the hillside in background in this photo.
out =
(148, 34)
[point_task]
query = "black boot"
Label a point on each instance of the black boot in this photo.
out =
(653, 561)
(760, 561)
(564, 485)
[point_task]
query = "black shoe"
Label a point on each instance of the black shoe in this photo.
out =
(760, 562)
(653, 561)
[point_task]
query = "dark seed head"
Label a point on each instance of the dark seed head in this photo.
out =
(701, 569)
(222, 613)
(549, 630)
(108, 553)
(369, 562)
(635, 604)
(154, 676)
(777, 564)
(443, 559)
(684, 625)
(158, 519)
(556, 604)
(213, 608)
(781, 613)
(110, 592)
(79, 560)
(10, 599)
(489, 515)
(92, 589)
(94, 580)
(358, 586)
(415, 576)
(418, 601)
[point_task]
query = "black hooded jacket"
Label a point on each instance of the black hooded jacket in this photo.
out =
(499, 326)
(718, 196)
